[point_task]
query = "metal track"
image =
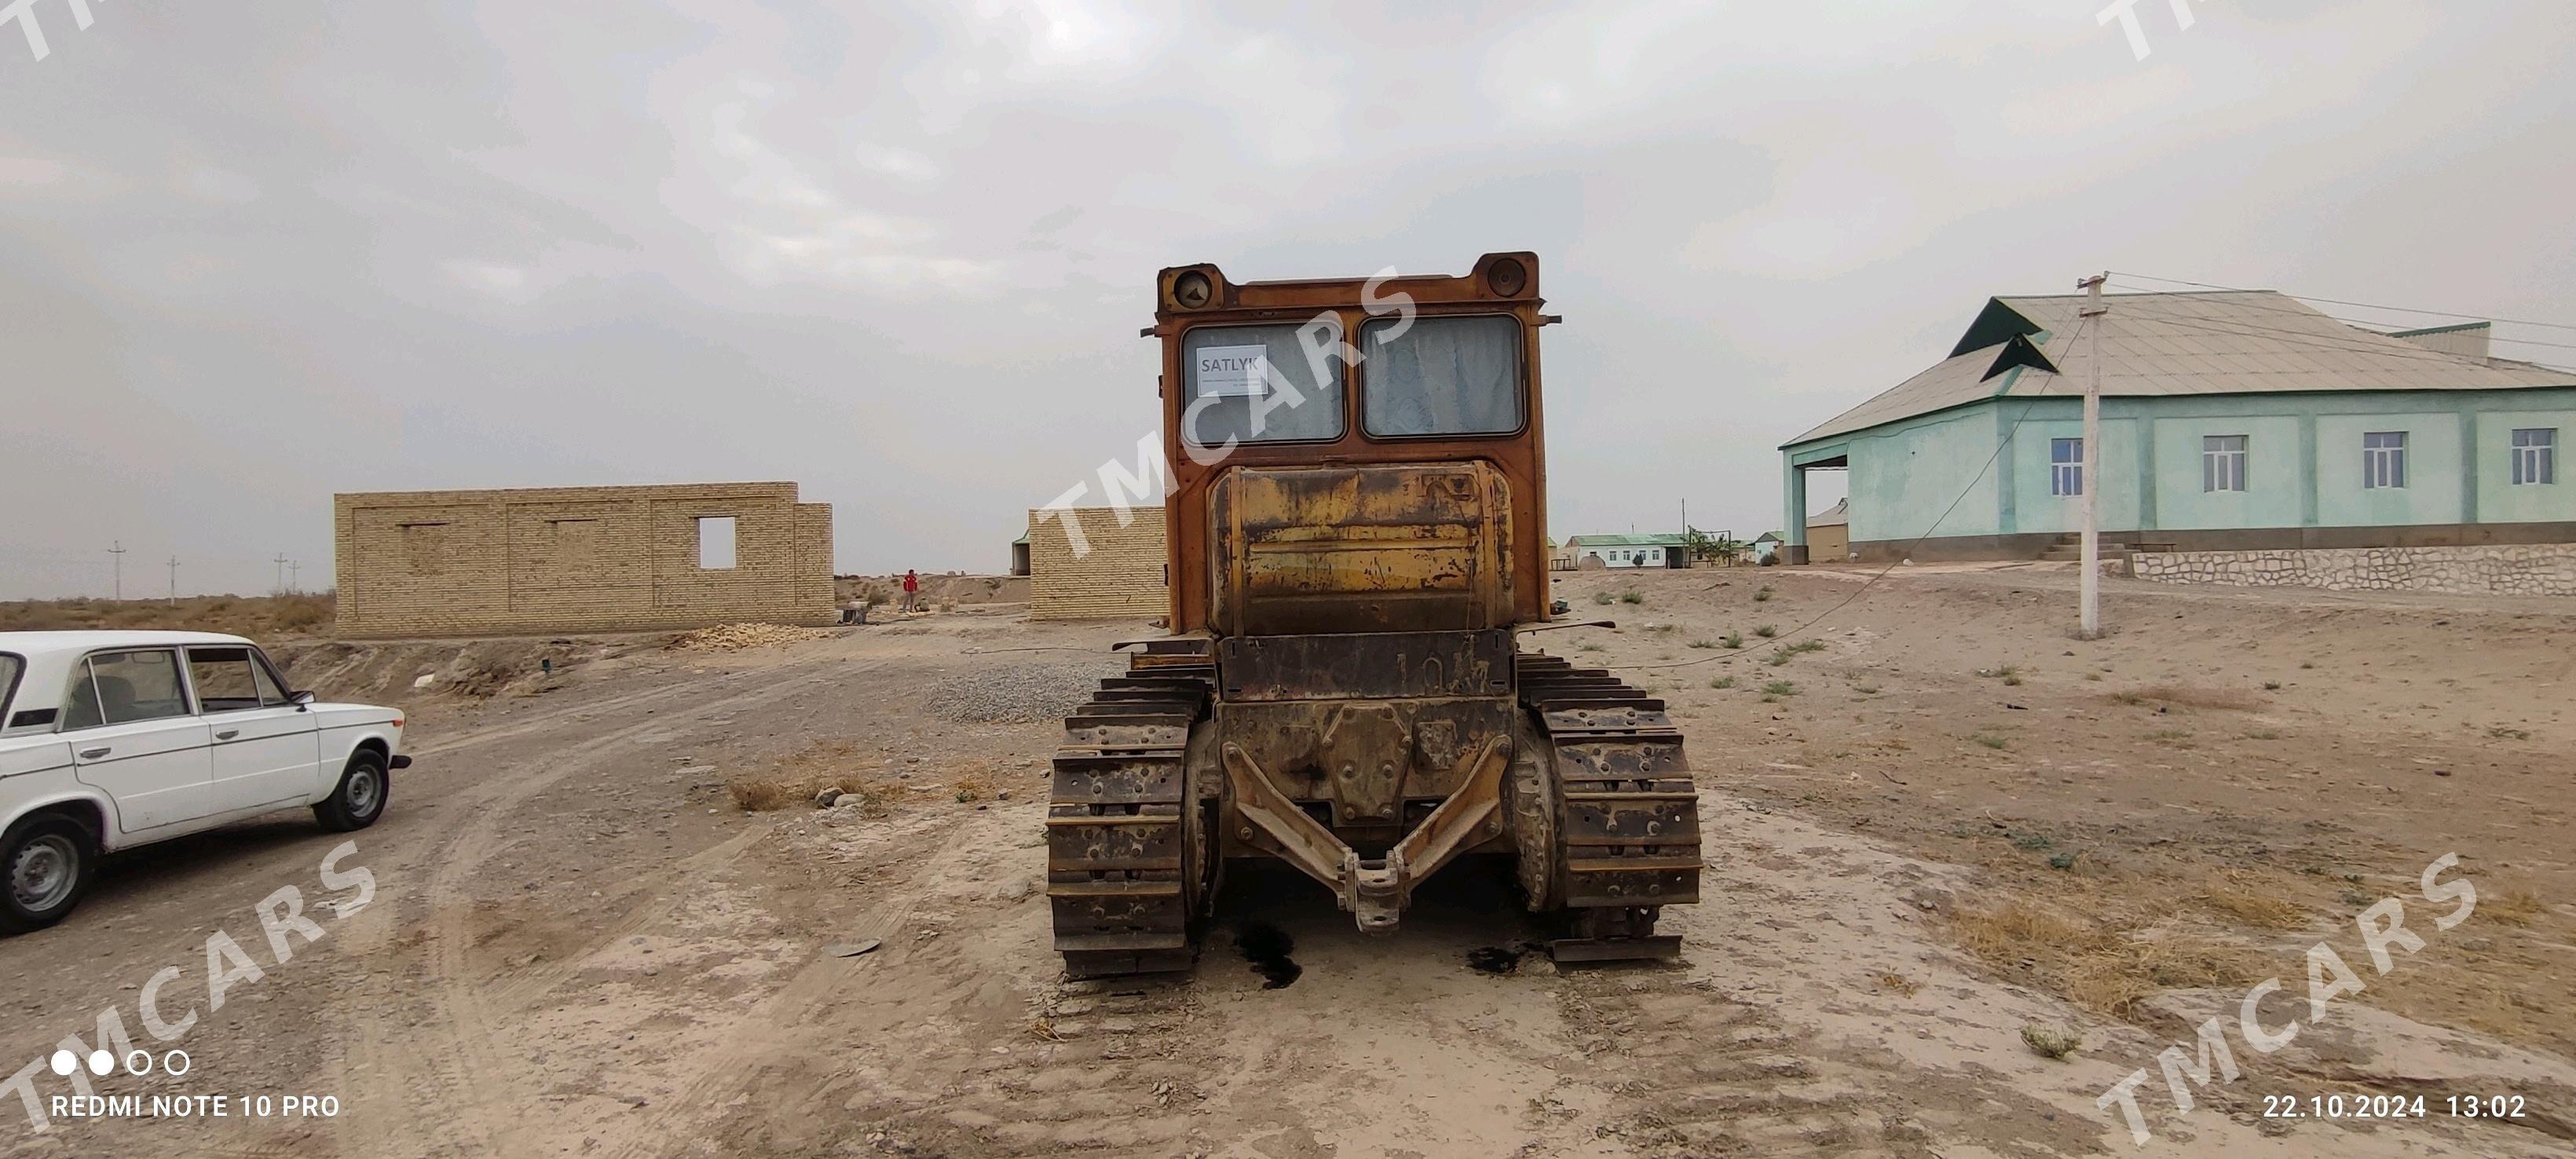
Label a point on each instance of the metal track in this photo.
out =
(1626, 836)
(1127, 861)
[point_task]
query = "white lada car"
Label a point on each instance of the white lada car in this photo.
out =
(112, 740)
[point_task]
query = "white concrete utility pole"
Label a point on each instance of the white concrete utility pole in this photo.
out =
(280, 561)
(2089, 619)
(116, 550)
(174, 581)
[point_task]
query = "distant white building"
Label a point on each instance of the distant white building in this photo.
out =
(1627, 551)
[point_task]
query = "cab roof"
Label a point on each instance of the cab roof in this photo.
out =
(25, 643)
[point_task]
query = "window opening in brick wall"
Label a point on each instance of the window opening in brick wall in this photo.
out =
(715, 543)
(576, 543)
(425, 547)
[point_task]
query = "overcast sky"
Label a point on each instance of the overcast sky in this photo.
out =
(253, 254)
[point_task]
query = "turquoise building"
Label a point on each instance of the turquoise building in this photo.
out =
(2230, 421)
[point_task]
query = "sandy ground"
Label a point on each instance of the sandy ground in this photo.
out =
(1951, 824)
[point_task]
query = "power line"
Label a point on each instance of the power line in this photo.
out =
(1872, 582)
(2359, 305)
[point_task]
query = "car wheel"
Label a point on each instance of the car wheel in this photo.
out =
(46, 862)
(360, 798)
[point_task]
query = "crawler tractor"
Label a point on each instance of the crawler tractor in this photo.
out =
(1356, 541)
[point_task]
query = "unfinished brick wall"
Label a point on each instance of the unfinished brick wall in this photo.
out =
(570, 559)
(1120, 577)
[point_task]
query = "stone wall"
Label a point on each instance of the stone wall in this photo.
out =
(577, 559)
(2515, 570)
(1117, 575)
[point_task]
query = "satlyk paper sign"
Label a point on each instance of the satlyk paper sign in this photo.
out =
(1233, 372)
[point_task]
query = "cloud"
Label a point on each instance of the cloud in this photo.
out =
(522, 244)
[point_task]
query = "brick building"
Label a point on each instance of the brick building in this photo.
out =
(1118, 576)
(567, 559)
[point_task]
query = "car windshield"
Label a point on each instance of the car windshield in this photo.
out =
(1441, 376)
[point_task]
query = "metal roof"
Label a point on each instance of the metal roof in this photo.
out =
(1660, 540)
(2165, 345)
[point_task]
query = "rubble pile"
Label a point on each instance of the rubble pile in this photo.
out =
(736, 637)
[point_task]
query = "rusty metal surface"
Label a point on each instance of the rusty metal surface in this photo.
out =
(1374, 891)
(1517, 459)
(1364, 666)
(1271, 820)
(1473, 813)
(1306, 746)
(1408, 547)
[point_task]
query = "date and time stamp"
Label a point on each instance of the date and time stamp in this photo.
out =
(2384, 1106)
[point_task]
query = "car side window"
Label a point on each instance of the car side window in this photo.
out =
(264, 673)
(227, 681)
(135, 686)
(80, 709)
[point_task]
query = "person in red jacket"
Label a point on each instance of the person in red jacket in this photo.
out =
(911, 591)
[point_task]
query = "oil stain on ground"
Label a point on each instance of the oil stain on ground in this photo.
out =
(1267, 947)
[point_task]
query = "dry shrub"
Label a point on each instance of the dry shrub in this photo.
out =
(2100, 969)
(2187, 696)
(797, 779)
(973, 787)
(2235, 896)
(2514, 907)
(2015, 930)
(258, 617)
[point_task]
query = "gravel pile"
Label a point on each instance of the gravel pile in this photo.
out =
(736, 637)
(1027, 694)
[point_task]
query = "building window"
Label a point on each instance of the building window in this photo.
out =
(2222, 463)
(2535, 455)
(2383, 459)
(715, 543)
(2065, 466)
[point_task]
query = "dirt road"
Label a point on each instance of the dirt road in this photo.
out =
(577, 944)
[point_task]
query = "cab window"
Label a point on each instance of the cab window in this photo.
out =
(125, 687)
(229, 680)
(1441, 376)
(1255, 384)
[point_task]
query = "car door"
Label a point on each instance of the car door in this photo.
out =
(264, 746)
(134, 736)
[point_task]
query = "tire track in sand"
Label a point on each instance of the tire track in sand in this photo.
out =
(453, 1095)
